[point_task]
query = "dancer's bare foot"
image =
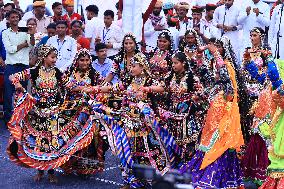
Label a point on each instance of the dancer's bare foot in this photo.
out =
(52, 178)
(38, 177)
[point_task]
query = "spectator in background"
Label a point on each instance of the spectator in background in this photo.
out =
(194, 22)
(110, 34)
(225, 18)
(76, 33)
(255, 13)
(30, 8)
(119, 15)
(17, 45)
(65, 45)
(183, 21)
(168, 8)
(51, 31)
(70, 15)
(102, 64)
(57, 9)
(7, 8)
(207, 28)
(276, 32)
(39, 14)
(172, 22)
(92, 25)
(154, 25)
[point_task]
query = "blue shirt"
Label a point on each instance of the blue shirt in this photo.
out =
(2, 48)
(105, 68)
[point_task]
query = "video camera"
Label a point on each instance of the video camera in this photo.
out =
(171, 180)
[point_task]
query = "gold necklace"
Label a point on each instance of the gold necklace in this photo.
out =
(78, 77)
(47, 76)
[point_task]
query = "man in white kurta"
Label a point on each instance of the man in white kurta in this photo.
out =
(276, 32)
(154, 25)
(132, 17)
(254, 13)
(207, 28)
(225, 19)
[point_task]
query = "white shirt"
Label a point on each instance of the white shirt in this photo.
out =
(3, 24)
(113, 35)
(274, 29)
(66, 51)
(132, 17)
(91, 31)
(175, 34)
(28, 15)
(11, 40)
(184, 26)
(151, 36)
(208, 29)
(250, 21)
(229, 17)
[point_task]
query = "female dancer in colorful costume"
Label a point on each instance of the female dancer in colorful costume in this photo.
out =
(216, 163)
(122, 64)
(268, 111)
(255, 159)
(40, 138)
(181, 123)
(140, 132)
(160, 58)
(79, 79)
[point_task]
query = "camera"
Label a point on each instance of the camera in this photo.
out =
(172, 180)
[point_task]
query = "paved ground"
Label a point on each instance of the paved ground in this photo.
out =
(14, 177)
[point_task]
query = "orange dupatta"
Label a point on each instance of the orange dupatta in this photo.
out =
(222, 129)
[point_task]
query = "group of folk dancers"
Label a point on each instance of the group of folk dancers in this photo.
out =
(196, 110)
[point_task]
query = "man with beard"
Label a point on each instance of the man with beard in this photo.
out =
(154, 25)
(57, 9)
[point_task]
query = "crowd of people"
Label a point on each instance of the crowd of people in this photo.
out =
(202, 93)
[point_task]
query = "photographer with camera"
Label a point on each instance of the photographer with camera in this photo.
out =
(17, 44)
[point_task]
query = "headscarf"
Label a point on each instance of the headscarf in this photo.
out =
(141, 59)
(190, 31)
(128, 36)
(261, 34)
(43, 51)
(80, 53)
(168, 36)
